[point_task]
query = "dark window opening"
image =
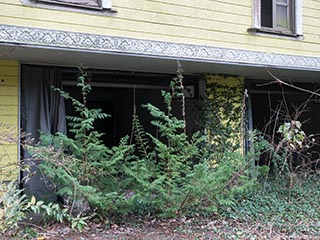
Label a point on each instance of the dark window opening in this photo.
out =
(266, 13)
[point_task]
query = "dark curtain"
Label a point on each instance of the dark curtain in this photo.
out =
(42, 109)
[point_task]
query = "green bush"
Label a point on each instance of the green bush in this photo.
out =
(166, 175)
(293, 212)
(16, 208)
(13, 206)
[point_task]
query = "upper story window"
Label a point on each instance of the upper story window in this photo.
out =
(277, 15)
(94, 4)
(96, 7)
(282, 17)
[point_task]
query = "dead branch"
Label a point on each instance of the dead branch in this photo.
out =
(290, 84)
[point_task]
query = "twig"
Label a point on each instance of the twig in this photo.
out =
(32, 224)
(184, 200)
(183, 99)
(134, 114)
(291, 85)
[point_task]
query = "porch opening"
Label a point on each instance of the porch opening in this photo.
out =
(115, 92)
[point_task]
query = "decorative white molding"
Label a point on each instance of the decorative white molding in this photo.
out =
(34, 37)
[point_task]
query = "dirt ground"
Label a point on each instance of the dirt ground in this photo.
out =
(153, 229)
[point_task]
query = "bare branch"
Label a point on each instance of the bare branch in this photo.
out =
(291, 85)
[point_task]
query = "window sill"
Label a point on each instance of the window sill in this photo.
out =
(70, 7)
(274, 33)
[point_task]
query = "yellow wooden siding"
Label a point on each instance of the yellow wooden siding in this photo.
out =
(220, 23)
(9, 168)
(9, 149)
(9, 75)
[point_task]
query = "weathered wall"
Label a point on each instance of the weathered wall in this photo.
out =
(220, 23)
(9, 76)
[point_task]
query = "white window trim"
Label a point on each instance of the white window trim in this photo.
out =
(298, 17)
(256, 23)
(105, 8)
(106, 4)
(103, 4)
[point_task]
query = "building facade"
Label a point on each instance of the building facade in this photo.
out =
(126, 43)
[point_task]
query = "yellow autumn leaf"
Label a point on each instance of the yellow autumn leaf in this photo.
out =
(1, 213)
(41, 238)
(33, 200)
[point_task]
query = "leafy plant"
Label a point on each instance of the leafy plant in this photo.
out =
(17, 206)
(86, 145)
(272, 210)
(165, 174)
(292, 134)
(84, 170)
(184, 178)
(13, 204)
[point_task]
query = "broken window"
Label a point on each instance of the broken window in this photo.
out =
(277, 14)
(278, 17)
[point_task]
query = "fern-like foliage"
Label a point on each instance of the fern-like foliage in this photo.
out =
(86, 144)
(165, 174)
(82, 167)
(141, 139)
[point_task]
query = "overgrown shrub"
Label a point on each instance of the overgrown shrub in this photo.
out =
(287, 158)
(15, 206)
(165, 175)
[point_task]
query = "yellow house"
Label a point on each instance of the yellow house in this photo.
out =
(130, 45)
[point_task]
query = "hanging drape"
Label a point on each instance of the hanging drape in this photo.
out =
(42, 110)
